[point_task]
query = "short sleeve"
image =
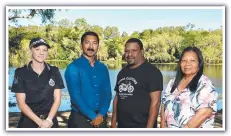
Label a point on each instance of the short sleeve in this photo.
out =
(206, 96)
(166, 92)
(155, 80)
(58, 79)
(17, 85)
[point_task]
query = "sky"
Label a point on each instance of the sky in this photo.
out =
(130, 19)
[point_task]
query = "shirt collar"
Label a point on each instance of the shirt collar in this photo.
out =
(86, 60)
(47, 67)
(145, 61)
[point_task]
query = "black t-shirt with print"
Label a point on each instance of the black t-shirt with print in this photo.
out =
(133, 87)
(39, 89)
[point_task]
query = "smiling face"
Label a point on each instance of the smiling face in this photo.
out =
(189, 63)
(133, 54)
(40, 53)
(90, 46)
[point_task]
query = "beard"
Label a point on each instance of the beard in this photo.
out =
(130, 61)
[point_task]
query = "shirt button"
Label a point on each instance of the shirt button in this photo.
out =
(96, 94)
(94, 76)
(95, 85)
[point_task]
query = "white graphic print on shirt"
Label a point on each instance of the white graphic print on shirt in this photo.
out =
(126, 87)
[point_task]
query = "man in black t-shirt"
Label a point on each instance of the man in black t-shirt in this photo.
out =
(138, 90)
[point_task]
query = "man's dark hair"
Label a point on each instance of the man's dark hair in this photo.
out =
(135, 40)
(89, 33)
(179, 74)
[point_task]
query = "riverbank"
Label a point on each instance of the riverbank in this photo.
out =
(63, 116)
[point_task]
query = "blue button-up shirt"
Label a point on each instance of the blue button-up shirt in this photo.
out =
(89, 87)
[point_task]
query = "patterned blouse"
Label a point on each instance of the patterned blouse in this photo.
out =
(180, 107)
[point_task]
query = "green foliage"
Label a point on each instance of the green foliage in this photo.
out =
(65, 23)
(111, 32)
(81, 24)
(45, 14)
(97, 29)
(163, 45)
(135, 34)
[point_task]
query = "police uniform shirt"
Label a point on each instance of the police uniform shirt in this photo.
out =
(39, 89)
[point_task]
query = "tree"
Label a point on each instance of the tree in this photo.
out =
(124, 34)
(102, 53)
(135, 34)
(162, 45)
(45, 14)
(146, 34)
(189, 26)
(115, 48)
(81, 24)
(111, 32)
(97, 29)
(156, 49)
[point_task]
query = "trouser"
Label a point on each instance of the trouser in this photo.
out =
(121, 125)
(25, 122)
(78, 120)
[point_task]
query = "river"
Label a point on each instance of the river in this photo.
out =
(214, 72)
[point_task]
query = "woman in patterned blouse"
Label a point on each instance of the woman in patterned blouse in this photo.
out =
(190, 100)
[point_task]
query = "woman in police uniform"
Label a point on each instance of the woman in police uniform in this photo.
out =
(38, 89)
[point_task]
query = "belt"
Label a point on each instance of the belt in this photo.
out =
(42, 115)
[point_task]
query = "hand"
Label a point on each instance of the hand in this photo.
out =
(100, 117)
(46, 124)
(40, 123)
(97, 121)
(50, 121)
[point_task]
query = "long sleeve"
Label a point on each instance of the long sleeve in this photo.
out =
(73, 81)
(107, 99)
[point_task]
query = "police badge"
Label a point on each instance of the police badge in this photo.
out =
(51, 82)
(15, 81)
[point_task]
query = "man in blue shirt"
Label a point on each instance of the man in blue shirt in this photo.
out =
(89, 86)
